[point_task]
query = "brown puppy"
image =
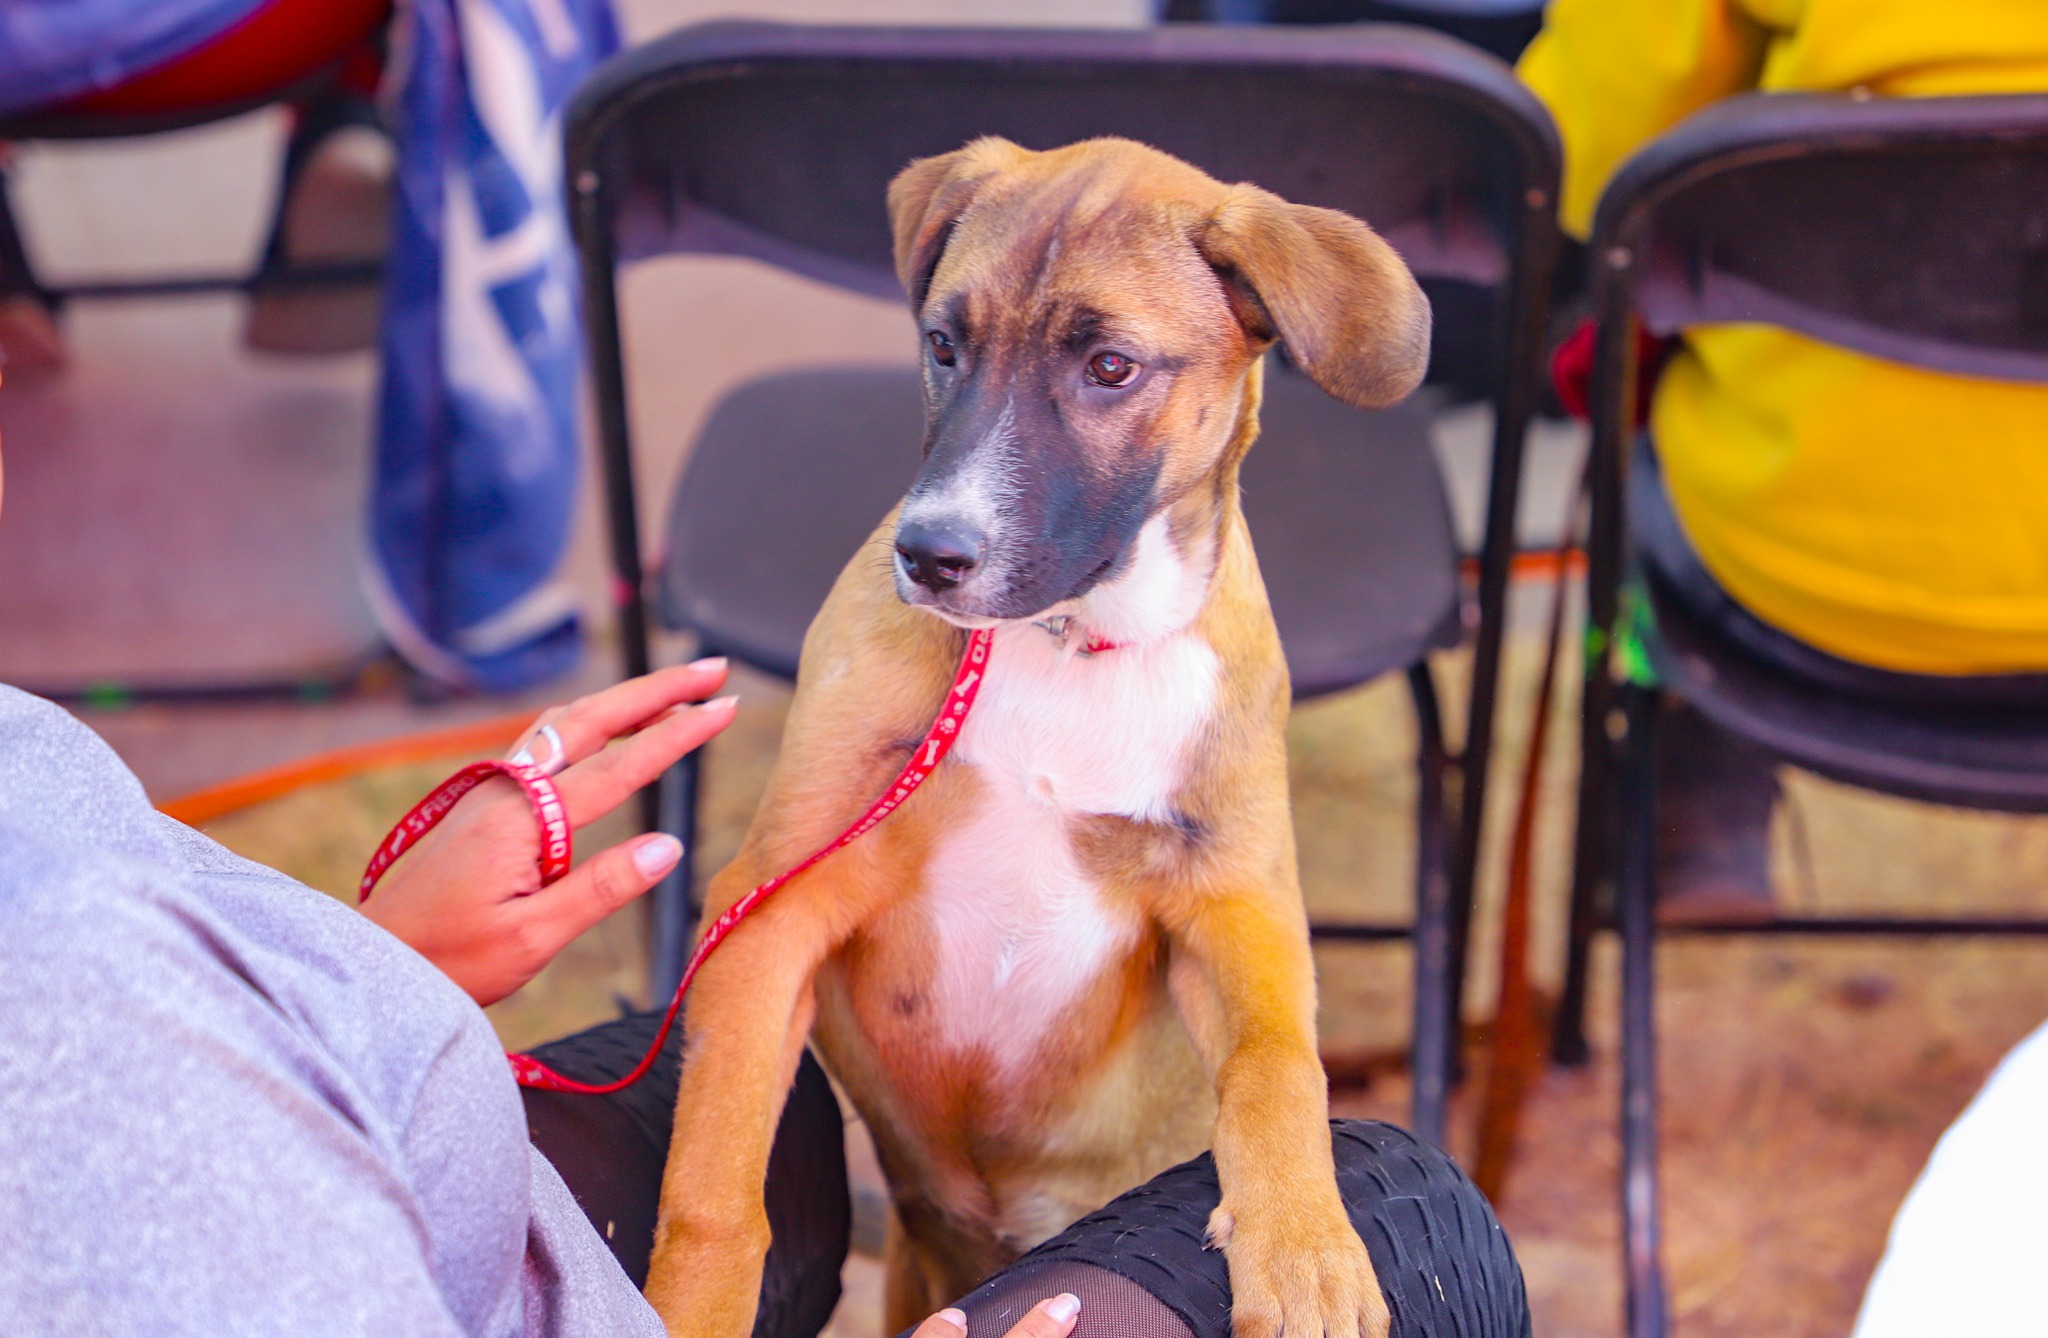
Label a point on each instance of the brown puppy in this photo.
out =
(1079, 954)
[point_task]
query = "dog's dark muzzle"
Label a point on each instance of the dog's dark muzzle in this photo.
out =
(1012, 514)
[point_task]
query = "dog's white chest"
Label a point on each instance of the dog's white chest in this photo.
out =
(1054, 736)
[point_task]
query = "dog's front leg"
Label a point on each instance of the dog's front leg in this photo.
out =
(1244, 981)
(750, 1011)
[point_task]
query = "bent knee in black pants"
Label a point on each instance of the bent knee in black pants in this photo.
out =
(610, 1151)
(1443, 1260)
(1139, 1264)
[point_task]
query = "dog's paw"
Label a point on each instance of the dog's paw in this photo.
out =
(1298, 1274)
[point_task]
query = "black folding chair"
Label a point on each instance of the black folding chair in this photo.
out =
(777, 142)
(1915, 230)
(17, 273)
(18, 278)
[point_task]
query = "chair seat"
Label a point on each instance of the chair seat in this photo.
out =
(793, 471)
(1989, 759)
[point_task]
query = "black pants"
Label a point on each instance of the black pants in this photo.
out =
(1138, 1264)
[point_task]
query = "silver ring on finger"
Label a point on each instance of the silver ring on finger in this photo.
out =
(549, 762)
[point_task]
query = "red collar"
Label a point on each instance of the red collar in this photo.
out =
(1061, 626)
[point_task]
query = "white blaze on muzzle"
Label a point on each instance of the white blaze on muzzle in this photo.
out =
(978, 495)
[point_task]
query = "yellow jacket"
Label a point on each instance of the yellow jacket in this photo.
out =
(1889, 515)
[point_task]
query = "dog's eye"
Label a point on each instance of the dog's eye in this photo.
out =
(1111, 369)
(942, 348)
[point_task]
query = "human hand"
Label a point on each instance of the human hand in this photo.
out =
(1051, 1318)
(468, 897)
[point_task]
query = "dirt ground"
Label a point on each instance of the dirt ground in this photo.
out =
(1804, 1082)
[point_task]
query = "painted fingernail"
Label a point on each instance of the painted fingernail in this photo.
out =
(1063, 1307)
(656, 854)
(719, 703)
(709, 662)
(956, 1318)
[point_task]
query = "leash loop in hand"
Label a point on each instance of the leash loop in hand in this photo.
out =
(555, 844)
(533, 782)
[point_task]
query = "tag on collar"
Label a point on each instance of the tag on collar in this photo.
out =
(1060, 627)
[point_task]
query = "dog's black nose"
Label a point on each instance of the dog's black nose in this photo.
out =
(938, 555)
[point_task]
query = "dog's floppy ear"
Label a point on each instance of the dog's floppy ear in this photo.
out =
(928, 197)
(1327, 287)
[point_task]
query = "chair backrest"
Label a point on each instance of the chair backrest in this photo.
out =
(1915, 229)
(778, 142)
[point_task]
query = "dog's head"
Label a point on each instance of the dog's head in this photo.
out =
(1090, 316)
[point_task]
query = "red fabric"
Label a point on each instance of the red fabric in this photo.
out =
(1571, 371)
(277, 46)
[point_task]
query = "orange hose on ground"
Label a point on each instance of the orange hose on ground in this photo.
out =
(486, 736)
(1517, 1043)
(1536, 564)
(217, 801)
(1517, 1046)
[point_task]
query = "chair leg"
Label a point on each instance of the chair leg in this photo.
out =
(597, 253)
(1590, 846)
(1636, 909)
(672, 906)
(17, 275)
(1512, 411)
(1434, 1036)
(1568, 1044)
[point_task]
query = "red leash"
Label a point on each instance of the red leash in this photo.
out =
(554, 860)
(427, 814)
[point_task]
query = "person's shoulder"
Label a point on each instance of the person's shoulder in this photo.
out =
(60, 891)
(19, 709)
(112, 913)
(61, 779)
(94, 937)
(167, 1052)
(205, 966)
(91, 873)
(33, 728)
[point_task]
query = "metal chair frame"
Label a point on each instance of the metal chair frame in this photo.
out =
(18, 278)
(1639, 273)
(1448, 830)
(62, 126)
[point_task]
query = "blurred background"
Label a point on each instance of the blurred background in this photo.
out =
(183, 510)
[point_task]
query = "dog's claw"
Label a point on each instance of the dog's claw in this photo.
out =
(1304, 1279)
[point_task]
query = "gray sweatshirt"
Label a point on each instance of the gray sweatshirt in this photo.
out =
(232, 1105)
